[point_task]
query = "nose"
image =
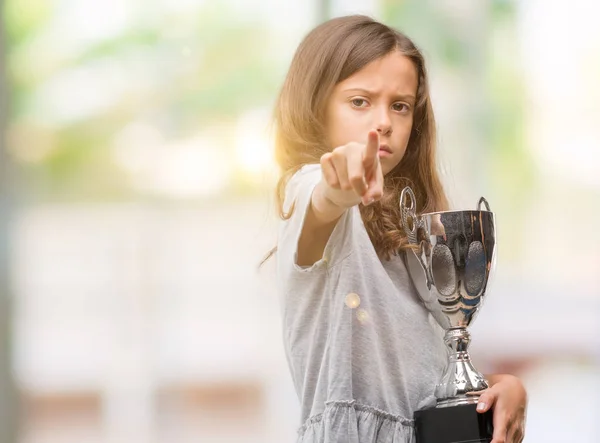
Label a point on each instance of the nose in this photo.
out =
(383, 122)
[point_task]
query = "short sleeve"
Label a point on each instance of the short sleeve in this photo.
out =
(298, 193)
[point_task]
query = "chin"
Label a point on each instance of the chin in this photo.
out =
(387, 166)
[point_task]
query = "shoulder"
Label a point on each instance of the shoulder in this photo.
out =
(302, 183)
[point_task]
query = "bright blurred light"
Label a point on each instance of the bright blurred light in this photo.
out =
(560, 49)
(253, 146)
(80, 23)
(187, 168)
(190, 168)
(83, 92)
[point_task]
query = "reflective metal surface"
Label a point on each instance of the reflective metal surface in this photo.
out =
(454, 255)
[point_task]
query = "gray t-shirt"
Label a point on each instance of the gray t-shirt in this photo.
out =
(363, 351)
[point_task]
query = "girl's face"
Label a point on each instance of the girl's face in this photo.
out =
(380, 96)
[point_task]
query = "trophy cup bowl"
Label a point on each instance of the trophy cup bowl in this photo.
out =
(451, 262)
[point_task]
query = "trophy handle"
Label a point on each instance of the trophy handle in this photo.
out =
(411, 224)
(485, 202)
(409, 213)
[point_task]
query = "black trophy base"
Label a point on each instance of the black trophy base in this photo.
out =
(454, 424)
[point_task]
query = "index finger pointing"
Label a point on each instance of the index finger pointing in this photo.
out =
(372, 150)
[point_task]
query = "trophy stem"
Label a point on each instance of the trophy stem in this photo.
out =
(460, 377)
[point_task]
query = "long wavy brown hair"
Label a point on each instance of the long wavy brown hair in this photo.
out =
(329, 54)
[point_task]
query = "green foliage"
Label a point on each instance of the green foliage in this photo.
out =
(199, 69)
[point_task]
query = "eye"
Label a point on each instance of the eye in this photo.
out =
(400, 107)
(358, 102)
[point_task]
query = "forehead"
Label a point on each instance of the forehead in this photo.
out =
(394, 73)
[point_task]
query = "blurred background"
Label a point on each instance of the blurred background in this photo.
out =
(136, 202)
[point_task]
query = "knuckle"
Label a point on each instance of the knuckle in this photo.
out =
(331, 181)
(356, 179)
(338, 152)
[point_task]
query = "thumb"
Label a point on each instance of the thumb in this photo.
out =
(486, 400)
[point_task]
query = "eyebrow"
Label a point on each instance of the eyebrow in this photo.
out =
(373, 93)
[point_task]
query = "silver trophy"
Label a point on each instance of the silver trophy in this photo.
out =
(455, 251)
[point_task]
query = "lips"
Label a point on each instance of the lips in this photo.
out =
(385, 148)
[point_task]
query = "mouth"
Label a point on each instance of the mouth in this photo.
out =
(384, 150)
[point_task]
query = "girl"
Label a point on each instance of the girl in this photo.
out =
(354, 126)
